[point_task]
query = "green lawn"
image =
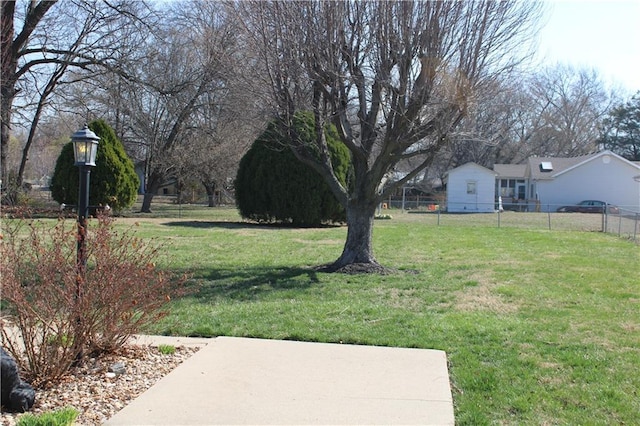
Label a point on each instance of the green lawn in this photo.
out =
(540, 327)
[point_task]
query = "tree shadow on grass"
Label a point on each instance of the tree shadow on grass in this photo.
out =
(241, 225)
(210, 224)
(249, 282)
(252, 283)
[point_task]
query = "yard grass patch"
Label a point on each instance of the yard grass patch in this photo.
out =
(540, 327)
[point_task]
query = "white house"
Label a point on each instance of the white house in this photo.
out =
(546, 183)
(471, 188)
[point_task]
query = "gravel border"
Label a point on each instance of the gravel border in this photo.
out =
(98, 393)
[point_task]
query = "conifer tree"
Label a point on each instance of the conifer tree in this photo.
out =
(272, 185)
(112, 182)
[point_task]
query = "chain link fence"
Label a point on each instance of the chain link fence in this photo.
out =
(625, 224)
(622, 222)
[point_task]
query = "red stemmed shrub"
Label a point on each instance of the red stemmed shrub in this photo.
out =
(52, 316)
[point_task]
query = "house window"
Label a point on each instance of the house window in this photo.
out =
(471, 187)
(508, 187)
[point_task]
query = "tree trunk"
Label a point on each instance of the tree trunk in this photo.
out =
(8, 185)
(146, 202)
(8, 94)
(7, 84)
(357, 254)
(152, 186)
(210, 188)
(5, 131)
(179, 191)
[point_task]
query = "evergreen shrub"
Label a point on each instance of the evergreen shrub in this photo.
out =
(272, 185)
(113, 181)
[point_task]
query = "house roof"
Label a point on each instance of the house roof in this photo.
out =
(546, 168)
(471, 164)
(558, 165)
(510, 170)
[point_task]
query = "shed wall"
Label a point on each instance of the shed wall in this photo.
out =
(459, 200)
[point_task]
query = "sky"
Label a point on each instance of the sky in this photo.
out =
(604, 34)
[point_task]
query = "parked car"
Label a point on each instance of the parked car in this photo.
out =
(590, 206)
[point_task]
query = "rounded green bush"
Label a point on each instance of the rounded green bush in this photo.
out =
(272, 185)
(112, 182)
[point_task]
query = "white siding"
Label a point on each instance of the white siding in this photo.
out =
(605, 178)
(460, 179)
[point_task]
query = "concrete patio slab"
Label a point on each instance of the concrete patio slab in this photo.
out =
(257, 382)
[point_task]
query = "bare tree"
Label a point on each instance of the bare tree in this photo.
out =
(229, 118)
(555, 111)
(11, 47)
(568, 105)
(51, 135)
(55, 37)
(485, 134)
(395, 77)
(222, 133)
(186, 64)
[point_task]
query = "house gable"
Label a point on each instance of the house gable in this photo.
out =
(605, 156)
(472, 166)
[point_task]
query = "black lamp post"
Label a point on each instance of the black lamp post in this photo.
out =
(85, 148)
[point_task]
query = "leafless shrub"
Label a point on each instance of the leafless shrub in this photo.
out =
(52, 315)
(37, 266)
(123, 290)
